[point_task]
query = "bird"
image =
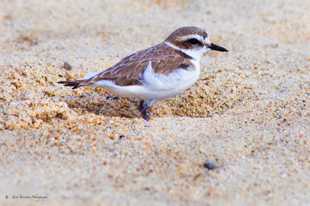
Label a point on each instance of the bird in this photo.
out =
(156, 73)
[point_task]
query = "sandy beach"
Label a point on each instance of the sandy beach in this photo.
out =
(248, 115)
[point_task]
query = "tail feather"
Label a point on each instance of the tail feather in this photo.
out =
(74, 83)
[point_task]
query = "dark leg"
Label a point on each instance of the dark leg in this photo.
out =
(144, 108)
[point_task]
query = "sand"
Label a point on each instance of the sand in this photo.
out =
(248, 116)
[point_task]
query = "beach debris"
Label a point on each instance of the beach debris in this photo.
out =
(67, 66)
(120, 137)
(210, 165)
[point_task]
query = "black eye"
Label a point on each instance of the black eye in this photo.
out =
(193, 41)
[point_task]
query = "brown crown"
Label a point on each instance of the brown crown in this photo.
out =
(187, 30)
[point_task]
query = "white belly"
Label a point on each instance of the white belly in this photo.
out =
(157, 86)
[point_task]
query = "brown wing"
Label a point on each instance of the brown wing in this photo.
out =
(128, 71)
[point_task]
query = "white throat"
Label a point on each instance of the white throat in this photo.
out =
(196, 54)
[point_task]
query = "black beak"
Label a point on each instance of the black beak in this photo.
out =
(217, 48)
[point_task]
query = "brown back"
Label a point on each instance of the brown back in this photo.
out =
(128, 71)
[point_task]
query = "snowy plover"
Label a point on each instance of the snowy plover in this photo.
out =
(159, 72)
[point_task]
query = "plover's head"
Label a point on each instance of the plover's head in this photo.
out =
(193, 41)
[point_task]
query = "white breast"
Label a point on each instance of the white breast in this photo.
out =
(172, 84)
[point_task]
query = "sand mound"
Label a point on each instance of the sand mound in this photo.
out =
(31, 97)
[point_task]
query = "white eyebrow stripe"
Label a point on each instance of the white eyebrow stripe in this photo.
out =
(191, 36)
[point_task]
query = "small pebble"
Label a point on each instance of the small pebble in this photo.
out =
(67, 66)
(210, 165)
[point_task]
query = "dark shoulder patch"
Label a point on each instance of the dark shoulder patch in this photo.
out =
(183, 66)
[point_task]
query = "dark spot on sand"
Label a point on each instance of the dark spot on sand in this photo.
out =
(67, 66)
(210, 165)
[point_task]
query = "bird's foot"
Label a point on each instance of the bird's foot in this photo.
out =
(146, 115)
(144, 109)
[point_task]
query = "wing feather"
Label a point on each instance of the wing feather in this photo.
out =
(128, 71)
